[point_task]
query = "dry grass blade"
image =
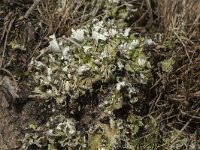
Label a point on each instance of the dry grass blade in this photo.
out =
(31, 8)
(180, 16)
(60, 16)
(7, 28)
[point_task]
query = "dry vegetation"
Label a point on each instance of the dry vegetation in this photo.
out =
(172, 100)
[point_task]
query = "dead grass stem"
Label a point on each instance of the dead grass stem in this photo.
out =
(182, 16)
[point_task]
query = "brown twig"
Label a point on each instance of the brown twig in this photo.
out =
(5, 42)
(185, 48)
(10, 74)
(29, 11)
(184, 127)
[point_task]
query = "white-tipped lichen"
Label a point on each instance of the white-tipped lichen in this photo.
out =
(105, 49)
(102, 53)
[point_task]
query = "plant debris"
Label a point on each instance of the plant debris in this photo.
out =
(99, 74)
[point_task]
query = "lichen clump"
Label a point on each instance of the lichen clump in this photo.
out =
(99, 53)
(94, 53)
(61, 132)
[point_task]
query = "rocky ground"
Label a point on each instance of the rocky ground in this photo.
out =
(14, 117)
